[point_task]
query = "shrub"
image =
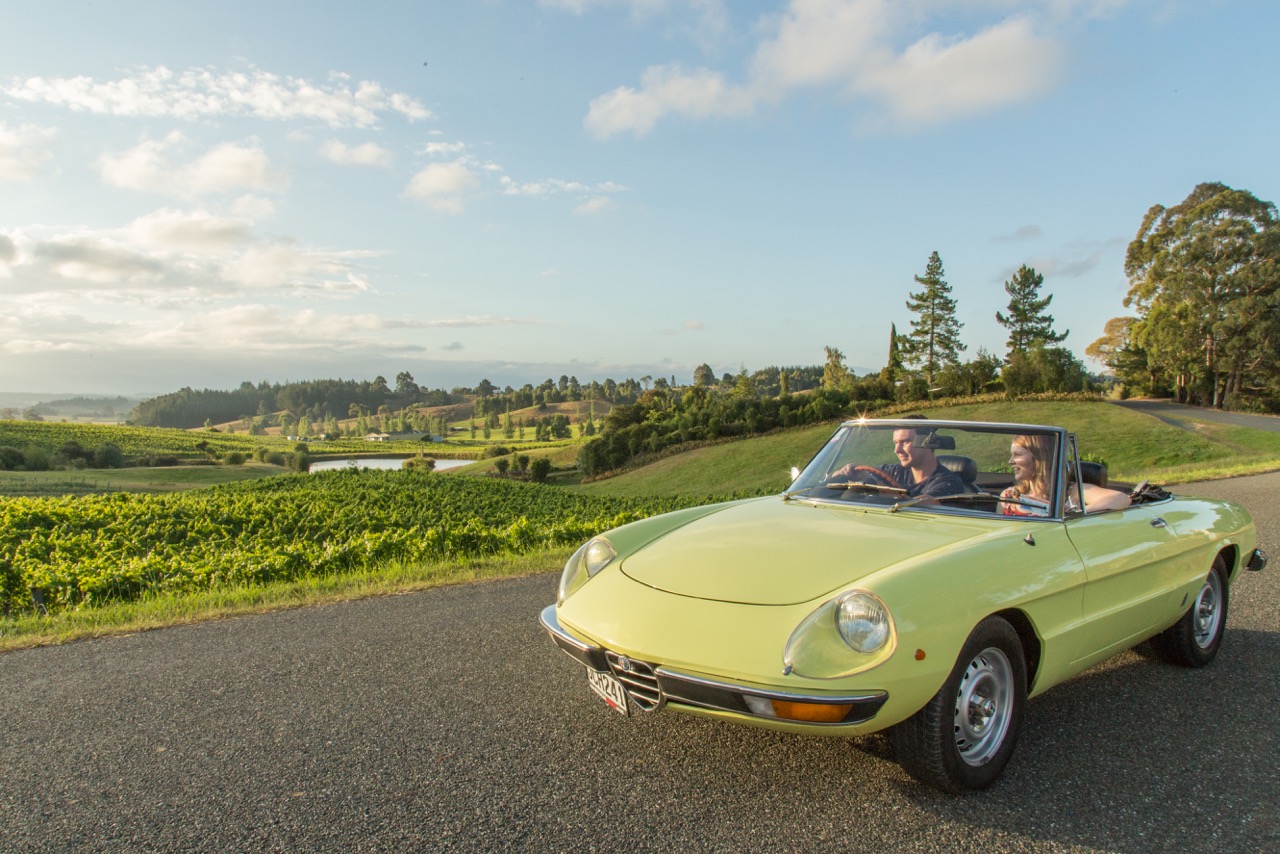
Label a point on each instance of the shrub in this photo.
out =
(234, 458)
(108, 456)
(11, 458)
(539, 469)
(419, 464)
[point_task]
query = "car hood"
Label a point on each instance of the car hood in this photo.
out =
(777, 552)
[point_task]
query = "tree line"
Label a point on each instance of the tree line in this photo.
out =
(1204, 287)
(921, 363)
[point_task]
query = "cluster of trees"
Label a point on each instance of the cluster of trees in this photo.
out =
(317, 400)
(521, 467)
(926, 361)
(69, 455)
(922, 363)
(661, 419)
(1204, 284)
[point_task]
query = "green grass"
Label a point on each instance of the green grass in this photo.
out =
(148, 480)
(755, 465)
(168, 609)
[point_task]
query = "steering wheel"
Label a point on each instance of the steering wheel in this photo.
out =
(871, 474)
(1137, 490)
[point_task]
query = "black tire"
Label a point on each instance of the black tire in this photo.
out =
(962, 739)
(1195, 639)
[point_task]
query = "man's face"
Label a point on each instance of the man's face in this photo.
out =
(904, 447)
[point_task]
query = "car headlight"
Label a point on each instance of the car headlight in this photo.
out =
(593, 556)
(856, 620)
(863, 621)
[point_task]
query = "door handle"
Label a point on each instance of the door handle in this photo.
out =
(1158, 522)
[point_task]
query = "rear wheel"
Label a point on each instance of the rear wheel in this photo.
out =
(962, 739)
(1194, 640)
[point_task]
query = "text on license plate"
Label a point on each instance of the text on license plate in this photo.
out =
(609, 689)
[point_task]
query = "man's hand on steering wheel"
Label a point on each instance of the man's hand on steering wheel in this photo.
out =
(865, 474)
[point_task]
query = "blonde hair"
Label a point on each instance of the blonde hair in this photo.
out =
(1042, 448)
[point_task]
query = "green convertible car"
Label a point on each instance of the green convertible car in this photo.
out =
(922, 577)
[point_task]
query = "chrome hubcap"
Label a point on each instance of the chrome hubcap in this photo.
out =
(1208, 611)
(984, 706)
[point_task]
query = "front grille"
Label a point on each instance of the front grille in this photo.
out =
(638, 679)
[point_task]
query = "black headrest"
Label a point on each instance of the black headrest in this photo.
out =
(963, 466)
(1095, 473)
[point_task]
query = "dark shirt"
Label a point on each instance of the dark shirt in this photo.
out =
(943, 481)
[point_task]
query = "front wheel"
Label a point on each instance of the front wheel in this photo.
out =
(962, 739)
(1194, 640)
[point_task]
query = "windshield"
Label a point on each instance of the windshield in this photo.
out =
(938, 465)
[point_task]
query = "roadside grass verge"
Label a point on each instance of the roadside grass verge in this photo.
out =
(27, 630)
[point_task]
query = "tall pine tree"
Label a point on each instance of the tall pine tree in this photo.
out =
(1027, 321)
(934, 340)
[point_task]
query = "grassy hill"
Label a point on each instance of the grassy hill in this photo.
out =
(1135, 446)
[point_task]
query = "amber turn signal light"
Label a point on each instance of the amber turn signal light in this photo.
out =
(819, 713)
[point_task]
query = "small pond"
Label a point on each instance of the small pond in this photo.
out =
(381, 463)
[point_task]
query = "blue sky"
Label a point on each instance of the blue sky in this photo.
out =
(200, 194)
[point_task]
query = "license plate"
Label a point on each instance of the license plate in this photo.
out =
(609, 689)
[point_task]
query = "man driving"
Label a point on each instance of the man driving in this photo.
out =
(917, 470)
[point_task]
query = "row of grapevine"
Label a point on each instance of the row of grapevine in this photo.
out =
(140, 442)
(79, 551)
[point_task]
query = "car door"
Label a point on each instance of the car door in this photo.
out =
(1132, 562)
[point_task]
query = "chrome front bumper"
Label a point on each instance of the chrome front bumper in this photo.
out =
(652, 686)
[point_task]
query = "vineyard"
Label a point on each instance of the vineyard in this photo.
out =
(65, 553)
(142, 442)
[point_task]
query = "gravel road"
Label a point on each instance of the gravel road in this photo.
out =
(447, 720)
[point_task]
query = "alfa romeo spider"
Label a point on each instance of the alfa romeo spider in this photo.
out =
(920, 577)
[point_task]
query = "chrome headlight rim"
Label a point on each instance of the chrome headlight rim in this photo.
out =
(584, 564)
(863, 621)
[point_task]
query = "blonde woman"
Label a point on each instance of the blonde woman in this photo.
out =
(1032, 460)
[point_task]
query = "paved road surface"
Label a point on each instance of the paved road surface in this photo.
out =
(1178, 414)
(446, 720)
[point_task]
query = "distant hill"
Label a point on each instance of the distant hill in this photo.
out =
(58, 407)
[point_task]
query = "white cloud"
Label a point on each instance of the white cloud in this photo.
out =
(857, 48)
(253, 207)
(937, 79)
(296, 269)
(365, 154)
(697, 94)
(96, 260)
(442, 185)
(175, 259)
(200, 93)
(553, 186)
(444, 149)
(694, 325)
(23, 150)
(224, 168)
(188, 231)
(595, 205)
